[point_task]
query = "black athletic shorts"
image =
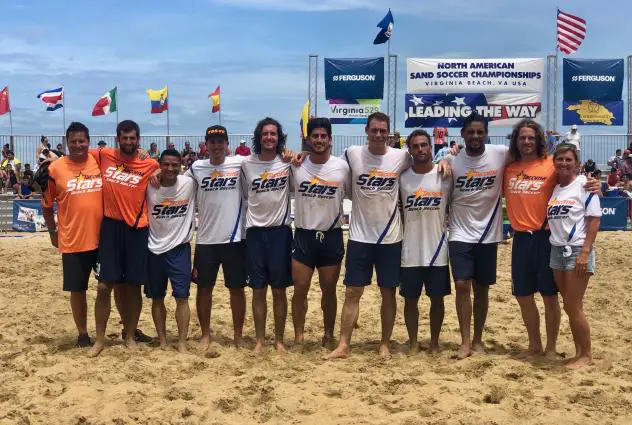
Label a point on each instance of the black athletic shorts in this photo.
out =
(269, 258)
(435, 279)
(530, 270)
(208, 258)
(76, 268)
(362, 257)
(316, 248)
(123, 253)
(475, 261)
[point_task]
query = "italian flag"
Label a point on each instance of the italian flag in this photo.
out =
(106, 104)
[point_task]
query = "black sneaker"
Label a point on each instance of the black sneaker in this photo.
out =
(83, 341)
(139, 336)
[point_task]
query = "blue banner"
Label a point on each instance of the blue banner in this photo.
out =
(27, 215)
(354, 78)
(450, 110)
(593, 79)
(591, 112)
(614, 213)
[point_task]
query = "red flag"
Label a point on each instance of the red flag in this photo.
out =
(215, 99)
(4, 101)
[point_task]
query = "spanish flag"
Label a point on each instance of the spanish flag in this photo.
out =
(215, 99)
(304, 119)
(159, 100)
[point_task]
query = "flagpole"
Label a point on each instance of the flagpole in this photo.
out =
(11, 127)
(168, 130)
(557, 9)
(389, 107)
(117, 104)
(63, 107)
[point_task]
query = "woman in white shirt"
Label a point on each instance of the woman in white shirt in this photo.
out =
(573, 216)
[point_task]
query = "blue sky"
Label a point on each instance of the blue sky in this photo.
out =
(257, 50)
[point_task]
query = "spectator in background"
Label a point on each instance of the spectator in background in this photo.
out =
(394, 140)
(101, 144)
(191, 158)
(242, 149)
(573, 137)
(47, 156)
(443, 152)
(171, 145)
(186, 151)
(613, 178)
(551, 141)
(616, 161)
(60, 148)
(626, 167)
(26, 188)
(589, 167)
(203, 152)
(11, 162)
(439, 133)
(153, 151)
(12, 181)
(28, 172)
(5, 150)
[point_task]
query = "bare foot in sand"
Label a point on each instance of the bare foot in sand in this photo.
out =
(96, 349)
(205, 342)
(238, 341)
(530, 353)
(384, 352)
(182, 348)
(338, 353)
(464, 352)
(478, 347)
(549, 354)
(413, 348)
(280, 347)
(579, 362)
(258, 347)
(327, 340)
(434, 349)
(131, 344)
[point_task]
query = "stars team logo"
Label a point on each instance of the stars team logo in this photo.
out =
(170, 208)
(423, 200)
(220, 180)
(319, 188)
(377, 180)
(84, 183)
(524, 183)
(559, 209)
(268, 181)
(475, 180)
(121, 174)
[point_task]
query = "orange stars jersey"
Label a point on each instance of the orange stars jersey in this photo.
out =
(527, 186)
(77, 188)
(124, 185)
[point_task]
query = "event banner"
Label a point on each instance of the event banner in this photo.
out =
(593, 112)
(354, 78)
(450, 110)
(593, 79)
(347, 111)
(27, 215)
(614, 213)
(474, 75)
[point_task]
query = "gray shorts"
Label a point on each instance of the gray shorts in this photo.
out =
(559, 262)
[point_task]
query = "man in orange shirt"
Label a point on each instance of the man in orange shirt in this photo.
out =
(123, 251)
(75, 183)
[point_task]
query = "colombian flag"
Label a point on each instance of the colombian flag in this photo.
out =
(304, 119)
(215, 99)
(158, 99)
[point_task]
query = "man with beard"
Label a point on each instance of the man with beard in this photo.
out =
(320, 184)
(123, 251)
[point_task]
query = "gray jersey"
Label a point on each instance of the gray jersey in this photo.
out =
(266, 186)
(319, 190)
(375, 217)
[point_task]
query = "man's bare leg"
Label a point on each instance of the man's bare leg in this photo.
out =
(159, 314)
(302, 277)
(552, 318)
(183, 316)
(437, 312)
(348, 318)
(481, 305)
(133, 302)
(531, 319)
(411, 318)
(279, 308)
(463, 302)
(259, 313)
(238, 309)
(328, 278)
(388, 311)
(203, 304)
(79, 308)
(119, 301)
(102, 308)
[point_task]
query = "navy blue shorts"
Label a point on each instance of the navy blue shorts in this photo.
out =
(77, 267)
(268, 255)
(123, 253)
(530, 270)
(173, 265)
(318, 249)
(475, 261)
(362, 257)
(232, 258)
(435, 279)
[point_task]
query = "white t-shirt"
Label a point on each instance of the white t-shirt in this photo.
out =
(567, 210)
(221, 206)
(266, 186)
(475, 210)
(375, 217)
(319, 190)
(171, 210)
(424, 200)
(573, 139)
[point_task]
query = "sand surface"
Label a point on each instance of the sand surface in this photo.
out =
(44, 379)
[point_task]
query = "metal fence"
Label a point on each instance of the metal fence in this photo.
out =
(599, 148)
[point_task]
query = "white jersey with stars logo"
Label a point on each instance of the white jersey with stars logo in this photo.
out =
(475, 206)
(319, 190)
(424, 200)
(375, 217)
(221, 206)
(266, 186)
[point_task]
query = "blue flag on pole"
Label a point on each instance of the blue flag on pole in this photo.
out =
(386, 31)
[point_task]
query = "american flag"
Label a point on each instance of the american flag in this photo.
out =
(571, 31)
